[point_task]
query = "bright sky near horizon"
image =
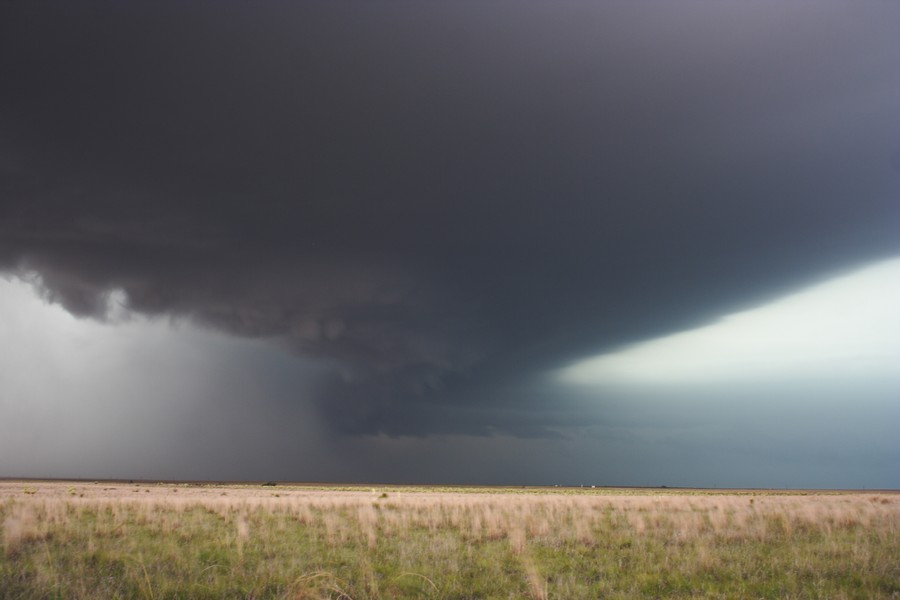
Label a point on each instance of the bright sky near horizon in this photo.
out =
(845, 327)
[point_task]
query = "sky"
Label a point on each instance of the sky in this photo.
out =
(518, 243)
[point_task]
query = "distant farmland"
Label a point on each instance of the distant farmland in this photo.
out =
(164, 540)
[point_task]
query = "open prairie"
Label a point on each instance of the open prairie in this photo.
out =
(165, 540)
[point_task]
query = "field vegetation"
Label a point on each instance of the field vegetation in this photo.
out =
(155, 541)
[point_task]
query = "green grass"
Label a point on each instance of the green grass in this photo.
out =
(253, 542)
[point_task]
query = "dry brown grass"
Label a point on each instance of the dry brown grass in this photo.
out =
(304, 543)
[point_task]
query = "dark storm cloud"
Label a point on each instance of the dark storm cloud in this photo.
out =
(438, 197)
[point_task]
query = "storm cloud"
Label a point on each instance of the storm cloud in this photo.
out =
(436, 202)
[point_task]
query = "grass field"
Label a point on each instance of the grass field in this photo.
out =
(154, 541)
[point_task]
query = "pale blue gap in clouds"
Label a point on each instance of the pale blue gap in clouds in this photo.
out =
(846, 327)
(801, 391)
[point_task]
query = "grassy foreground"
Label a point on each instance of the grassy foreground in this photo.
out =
(155, 541)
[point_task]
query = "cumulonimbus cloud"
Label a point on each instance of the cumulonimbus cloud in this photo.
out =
(442, 197)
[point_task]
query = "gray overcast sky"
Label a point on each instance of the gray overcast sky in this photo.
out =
(496, 242)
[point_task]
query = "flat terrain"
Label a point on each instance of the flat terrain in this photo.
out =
(166, 540)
